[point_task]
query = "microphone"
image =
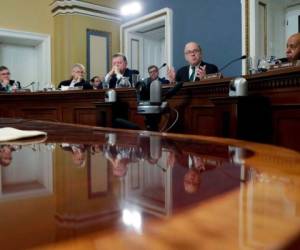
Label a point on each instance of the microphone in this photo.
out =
(282, 60)
(162, 66)
(30, 84)
(149, 98)
(155, 92)
(232, 61)
(155, 147)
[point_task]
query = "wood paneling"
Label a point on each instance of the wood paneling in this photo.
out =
(44, 114)
(86, 116)
(204, 108)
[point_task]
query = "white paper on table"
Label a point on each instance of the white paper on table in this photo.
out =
(10, 134)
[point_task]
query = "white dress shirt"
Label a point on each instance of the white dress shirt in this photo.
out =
(191, 71)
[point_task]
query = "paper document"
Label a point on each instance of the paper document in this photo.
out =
(11, 134)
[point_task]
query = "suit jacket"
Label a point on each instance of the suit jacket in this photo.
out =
(182, 74)
(128, 73)
(164, 80)
(82, 83)
(11, 83)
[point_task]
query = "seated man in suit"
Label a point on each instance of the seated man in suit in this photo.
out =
(6, 84)
(77, 78)
(96, 82)
(119, 72)
(293, 47)
(154, 74)
(196, 70)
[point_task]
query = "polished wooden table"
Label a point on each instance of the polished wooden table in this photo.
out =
(99, 188)
(204, 108)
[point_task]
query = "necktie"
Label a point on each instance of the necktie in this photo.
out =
(192, 75)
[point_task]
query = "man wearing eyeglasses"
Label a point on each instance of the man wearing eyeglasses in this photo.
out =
(196, 70)
(293, 48)
(6, 84)
(153, 71)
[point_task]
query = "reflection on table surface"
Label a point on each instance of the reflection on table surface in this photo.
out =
(111, 189)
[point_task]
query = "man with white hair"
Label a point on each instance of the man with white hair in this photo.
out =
(196, 70)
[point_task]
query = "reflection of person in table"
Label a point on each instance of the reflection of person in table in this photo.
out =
(78, 153)
(95, 149)
(192, 178)
(119, 156)
(120, 167)
(6, 155)
(195, 164)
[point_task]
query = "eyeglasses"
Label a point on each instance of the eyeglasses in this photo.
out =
(190, 52)
(5, 74)
(292, 46)
(153, 71)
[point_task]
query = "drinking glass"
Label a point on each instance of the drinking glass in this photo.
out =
(124, 82)
(263, 65)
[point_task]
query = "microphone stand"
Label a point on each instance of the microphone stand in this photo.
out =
(232, 61)
(30, 84)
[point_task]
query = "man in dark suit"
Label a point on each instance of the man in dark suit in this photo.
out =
(293, 47)
(6, 84)
(76, 79)
(196, 70)
(154, 75)
(119, 73)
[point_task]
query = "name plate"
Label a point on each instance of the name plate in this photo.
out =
(213, 76)
(285, 65)
(22, 90)
(281, 65)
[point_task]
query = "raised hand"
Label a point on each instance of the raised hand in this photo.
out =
(171, 74)
(201, 72)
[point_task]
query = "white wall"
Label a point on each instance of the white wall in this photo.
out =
(276, 41)
(28, 165)
(28, 56)
(292, 14)
(154, 53)
(22, 62)
(276, 28)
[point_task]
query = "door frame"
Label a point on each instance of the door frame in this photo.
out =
(166, 15)
(42, 42)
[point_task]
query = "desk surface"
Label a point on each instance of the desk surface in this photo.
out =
(92, 188)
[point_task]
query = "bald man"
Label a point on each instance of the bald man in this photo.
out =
(196, 70)
(293, 47)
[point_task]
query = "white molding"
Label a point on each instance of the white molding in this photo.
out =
(23, 34)
(244, 16)
(252, 33)
(43, 41)
(73, 7)
(165, 15)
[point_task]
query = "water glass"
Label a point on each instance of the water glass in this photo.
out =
(263, 65)
(135, 79)
(105, 85)
(124, 82)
